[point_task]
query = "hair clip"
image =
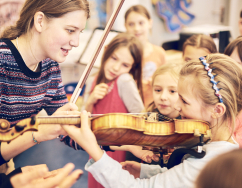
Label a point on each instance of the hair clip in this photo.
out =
(209, 70)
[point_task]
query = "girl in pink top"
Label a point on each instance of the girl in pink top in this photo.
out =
(117, 87)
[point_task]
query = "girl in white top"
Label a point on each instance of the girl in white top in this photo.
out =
(200, 97)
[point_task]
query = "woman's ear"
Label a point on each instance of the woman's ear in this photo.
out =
(39, 21)
(219, 110)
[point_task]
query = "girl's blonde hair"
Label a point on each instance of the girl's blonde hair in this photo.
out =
(50, 8)
(200, 41)
(229, 76)
(136, 50)
(173, 69)
(138, 9)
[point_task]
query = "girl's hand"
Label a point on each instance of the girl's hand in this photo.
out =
(144, 155)
(98, 93)
(36, 177)
(85, 137)
(52, 131)
(132, 167)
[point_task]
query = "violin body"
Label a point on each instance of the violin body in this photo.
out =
(116, 129)
(121, 129)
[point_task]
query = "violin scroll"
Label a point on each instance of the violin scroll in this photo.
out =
(8, 134)
(4, 125)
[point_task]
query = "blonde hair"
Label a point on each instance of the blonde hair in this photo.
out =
(50, 8)
(200, 41)
(136, 50)
(229, 76)
(173, 69)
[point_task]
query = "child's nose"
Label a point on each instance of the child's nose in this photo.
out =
(163, 95)
(116, 66)
(136, 27)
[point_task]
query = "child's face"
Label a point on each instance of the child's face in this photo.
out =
(59, 35)
(118, 63)
(189, 105)
(138, 25)
(235, 55)
(240, 26)
(191, 52)
(165, 94)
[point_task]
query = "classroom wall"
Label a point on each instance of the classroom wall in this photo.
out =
(206, 12)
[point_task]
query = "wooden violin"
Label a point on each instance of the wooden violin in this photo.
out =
(121, 129)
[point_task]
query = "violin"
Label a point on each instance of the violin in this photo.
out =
(116, 129)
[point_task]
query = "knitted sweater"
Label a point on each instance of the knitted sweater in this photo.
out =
(23, 93)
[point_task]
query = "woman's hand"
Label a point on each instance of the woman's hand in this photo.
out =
(51, 131)
(27, 169)
(98, 93)
(39, 176)
(144, 155)
(85, 137)
(132, 167)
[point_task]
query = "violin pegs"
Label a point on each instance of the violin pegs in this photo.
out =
(33, 120)
(19, 127)
(196, 132)
(4, 125)
(208, 135)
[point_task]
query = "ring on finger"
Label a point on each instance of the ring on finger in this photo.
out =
(67, 112)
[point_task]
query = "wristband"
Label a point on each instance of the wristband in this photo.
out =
(35, 141)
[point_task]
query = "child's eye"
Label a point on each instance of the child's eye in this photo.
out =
(173, 91)
(184, 101)
(187, 59)
(131, 24)
(70, 30)
(125, 65)
(141, 23)
(157, 90)
(114, 58)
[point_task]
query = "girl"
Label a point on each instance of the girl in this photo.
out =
(30, 75)
(120, 66)
(164, 89)
(200, 97)
(114, 88)
(240, 23)
(139, 23)
(197, 46)
(234, 49)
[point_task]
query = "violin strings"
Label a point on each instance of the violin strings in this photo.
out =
(162, 118)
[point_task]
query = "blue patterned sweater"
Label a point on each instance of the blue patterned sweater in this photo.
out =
(23, 93)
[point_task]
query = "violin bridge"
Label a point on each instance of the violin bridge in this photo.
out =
(152, 117)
